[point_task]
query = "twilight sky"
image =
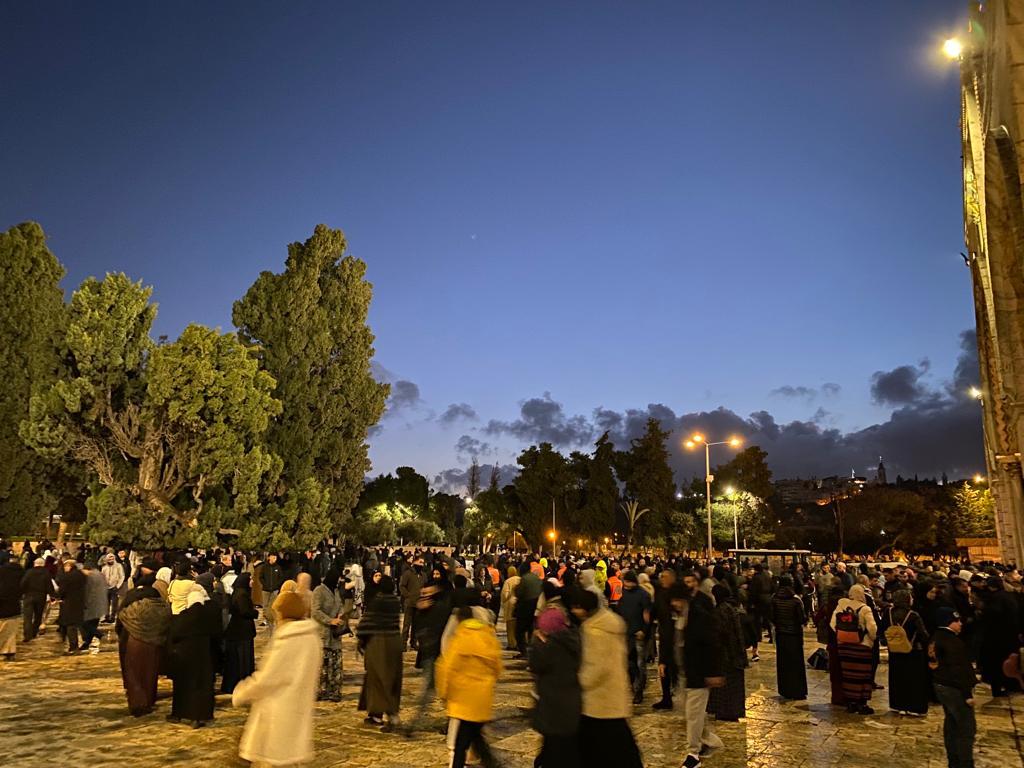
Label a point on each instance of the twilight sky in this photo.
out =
(575, 214)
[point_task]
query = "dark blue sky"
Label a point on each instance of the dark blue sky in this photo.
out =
(681, 203)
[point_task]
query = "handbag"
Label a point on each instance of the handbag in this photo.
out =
(337, 630)
(818, 660)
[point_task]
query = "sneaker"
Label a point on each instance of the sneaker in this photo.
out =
(691, 761)
(755, 657)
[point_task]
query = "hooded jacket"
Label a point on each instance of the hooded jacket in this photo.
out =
(468, 670)
(603, 674)
(556, 663)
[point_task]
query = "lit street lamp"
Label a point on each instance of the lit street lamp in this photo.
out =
(693, 442)
(953, 48)
(729, 491)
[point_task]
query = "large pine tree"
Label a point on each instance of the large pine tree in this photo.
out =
(31, 316)
(309, 323)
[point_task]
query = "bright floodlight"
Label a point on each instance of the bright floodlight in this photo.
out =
(729, 490)
(735, 442)
(689, 444)
(952, 48)
(978, 479)
(551, 535)
(975, 393)
(697, 438)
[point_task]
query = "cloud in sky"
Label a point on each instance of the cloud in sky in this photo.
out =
(542, 420)
(800, 392)
(901, 386)
(457, 411)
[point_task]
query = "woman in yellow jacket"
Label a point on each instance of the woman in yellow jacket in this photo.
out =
(466, 676)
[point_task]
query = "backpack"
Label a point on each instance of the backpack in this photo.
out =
(848, 627)
(896, 636)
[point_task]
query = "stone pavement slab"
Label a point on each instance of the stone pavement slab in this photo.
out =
(61, 710)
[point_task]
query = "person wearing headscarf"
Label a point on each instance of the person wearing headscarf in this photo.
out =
(787, 615)
(999, 634)
(282, 692)
(180, 587)
(142, 625)
(240, 634)
(909, 683)
(10, 604)
(729, 701)
(326, 612)
(380, 641)
(508, 606)
(827, 637)
(554, 659)
(191, 660)
(852, 619)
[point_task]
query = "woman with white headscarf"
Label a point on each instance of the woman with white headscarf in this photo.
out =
(191, 660)
(855, 628)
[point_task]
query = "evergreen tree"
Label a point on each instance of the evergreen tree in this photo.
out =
(648, 477)
(31, 318)
(309, 323)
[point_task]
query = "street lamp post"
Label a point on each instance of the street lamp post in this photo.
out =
(693, 442)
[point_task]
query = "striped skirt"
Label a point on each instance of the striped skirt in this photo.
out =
(855, 663)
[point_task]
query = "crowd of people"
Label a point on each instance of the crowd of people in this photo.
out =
(589, 628)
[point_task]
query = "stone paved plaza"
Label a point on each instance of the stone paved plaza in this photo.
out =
(71, 711)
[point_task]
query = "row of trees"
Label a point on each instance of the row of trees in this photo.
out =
(261, 433)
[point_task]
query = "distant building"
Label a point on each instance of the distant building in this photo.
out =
(880, 476)
(797, 492)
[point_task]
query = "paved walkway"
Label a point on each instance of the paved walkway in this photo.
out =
(72, 711)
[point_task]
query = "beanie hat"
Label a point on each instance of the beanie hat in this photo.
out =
(630, 576)
(551, 621)
(290, 605)
(945, 616)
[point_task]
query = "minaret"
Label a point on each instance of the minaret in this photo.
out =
(880, 477)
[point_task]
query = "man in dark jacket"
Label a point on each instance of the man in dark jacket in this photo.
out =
(37, 588)
(668, 670)
(953, 679)
(433, 606)
(701, 666)
(409, 586)
(271, 579)
(527, 595)
(71, 591)
(635, 609)
(10, 603)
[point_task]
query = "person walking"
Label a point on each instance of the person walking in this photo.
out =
(71, 591)
(634, 607)
(37, 588)
(270, 581)
(701, 664)
(113, 576)
(467, 674)
(907, 640)
(508, 606)
(10, 604)
(380, 641)
(953, 678)
(788, 618)
(855, 630)
(554, 660)
(239, 635)
(527, 594)
(326, 612)
(95, 607)
(604, 734)
(729, 702)
(409, 586)
(282, 692)
(433, 609)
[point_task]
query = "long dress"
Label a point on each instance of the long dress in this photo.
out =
(729, 702)
(142, 625)
(191, 662)
(239, 651)
(790, 666)
(380, 636)
(908, 672)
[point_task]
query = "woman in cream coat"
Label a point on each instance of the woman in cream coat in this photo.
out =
(283, 690)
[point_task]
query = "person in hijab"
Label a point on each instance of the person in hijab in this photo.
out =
(554, 659)
(191, 663)
(37, 588)
(909, 683)
(142, 625)
(282, 692)
(327, 607)
(787, 614)
(827, 636)
(508, 606)
(180, 587)
(729, 701)
(380, 641)
(240, 634)
(852, 619)
(999, 634)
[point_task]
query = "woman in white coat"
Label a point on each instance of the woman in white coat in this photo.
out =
(283, 690)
